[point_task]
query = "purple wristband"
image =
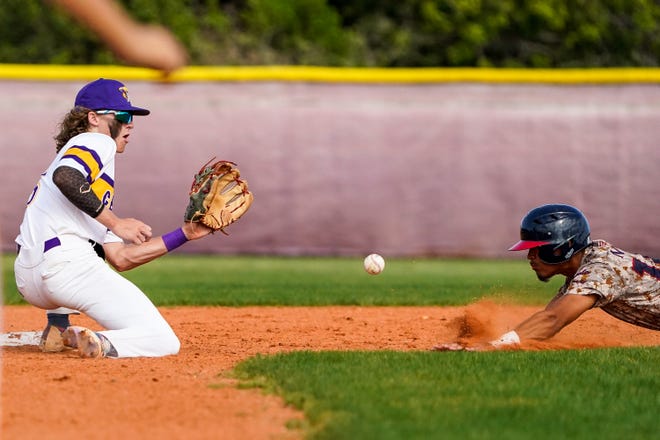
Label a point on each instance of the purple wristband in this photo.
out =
(174, 239)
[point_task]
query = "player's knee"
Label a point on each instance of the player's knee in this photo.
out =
(170, 344)
(175, 346)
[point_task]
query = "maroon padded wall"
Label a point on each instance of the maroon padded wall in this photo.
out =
(341, 169)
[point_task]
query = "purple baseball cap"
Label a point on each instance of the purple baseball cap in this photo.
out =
(107, 94)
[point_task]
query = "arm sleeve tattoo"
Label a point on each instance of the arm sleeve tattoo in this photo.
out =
(77, 189)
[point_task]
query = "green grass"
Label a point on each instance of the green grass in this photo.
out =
(238, 281)
(586, 394)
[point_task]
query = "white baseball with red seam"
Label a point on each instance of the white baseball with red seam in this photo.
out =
(374, 264)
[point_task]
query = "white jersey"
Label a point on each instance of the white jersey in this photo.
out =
(50, 214)
(69, 276)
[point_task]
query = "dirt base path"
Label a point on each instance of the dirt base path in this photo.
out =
(59, 395)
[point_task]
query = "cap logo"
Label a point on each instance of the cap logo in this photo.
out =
(124, 92)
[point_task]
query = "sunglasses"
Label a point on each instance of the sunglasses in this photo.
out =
(121, 116)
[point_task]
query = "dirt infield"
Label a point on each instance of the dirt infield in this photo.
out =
(190, 396)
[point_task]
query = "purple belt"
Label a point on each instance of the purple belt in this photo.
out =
(49, 244)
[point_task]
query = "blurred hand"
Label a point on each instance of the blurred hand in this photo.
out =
(153, 46)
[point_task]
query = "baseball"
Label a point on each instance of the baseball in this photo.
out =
(374, 264)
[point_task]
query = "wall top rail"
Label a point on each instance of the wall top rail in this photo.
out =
(49, 72)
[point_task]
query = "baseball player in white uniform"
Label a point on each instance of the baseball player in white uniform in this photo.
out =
(69, 224)
(557, 240)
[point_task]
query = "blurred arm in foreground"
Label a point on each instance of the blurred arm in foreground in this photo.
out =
(136, 43)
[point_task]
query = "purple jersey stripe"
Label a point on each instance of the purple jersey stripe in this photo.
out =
(81, 162)
(108, 179)
(92, 153)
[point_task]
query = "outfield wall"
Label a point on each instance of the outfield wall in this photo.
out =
(350, 168)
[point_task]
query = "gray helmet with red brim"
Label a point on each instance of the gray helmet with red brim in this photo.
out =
(559, 231)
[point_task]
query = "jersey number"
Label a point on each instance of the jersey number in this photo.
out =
(32, 194)
(34, 191)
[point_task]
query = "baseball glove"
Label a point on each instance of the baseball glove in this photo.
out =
(218, 197)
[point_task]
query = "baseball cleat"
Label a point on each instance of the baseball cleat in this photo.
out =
(69, 336)
(51, 340)
(88, 343)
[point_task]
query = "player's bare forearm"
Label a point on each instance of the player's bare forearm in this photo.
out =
(125, 257)
(129, 256)
(105, 17)
(541, 325)
(557, 315)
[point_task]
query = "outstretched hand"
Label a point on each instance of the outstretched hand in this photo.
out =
(458, 346)
(451, 346)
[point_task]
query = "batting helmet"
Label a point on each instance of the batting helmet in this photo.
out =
(559, 231)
